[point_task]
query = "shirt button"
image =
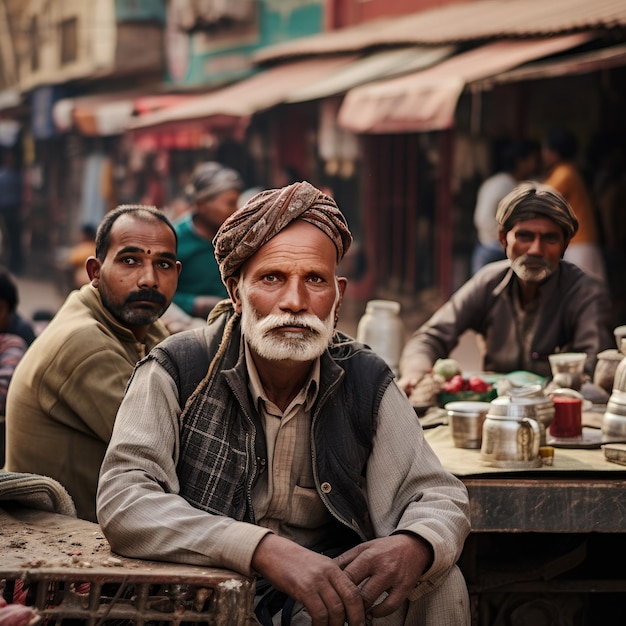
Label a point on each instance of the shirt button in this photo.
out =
(326, 488)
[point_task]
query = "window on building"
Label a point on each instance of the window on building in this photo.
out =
(69, 40)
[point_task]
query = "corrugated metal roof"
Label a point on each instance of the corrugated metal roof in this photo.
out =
(466, 22)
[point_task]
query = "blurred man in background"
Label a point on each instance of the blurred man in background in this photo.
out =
(214, 190)
(559, 149)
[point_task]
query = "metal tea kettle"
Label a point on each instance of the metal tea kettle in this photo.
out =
(540, 406)
(511, 439)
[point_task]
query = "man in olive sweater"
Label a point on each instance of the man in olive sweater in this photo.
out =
(65, 392)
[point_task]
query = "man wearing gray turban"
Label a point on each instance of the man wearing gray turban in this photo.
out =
(269, 443)
(214, 192)
(529, 306)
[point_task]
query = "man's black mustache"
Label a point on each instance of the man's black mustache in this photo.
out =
(147, 295)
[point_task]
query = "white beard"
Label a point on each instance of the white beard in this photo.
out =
(266, 340)
(530, 274)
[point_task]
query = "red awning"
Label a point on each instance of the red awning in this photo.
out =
(240, 100)
(426, 100)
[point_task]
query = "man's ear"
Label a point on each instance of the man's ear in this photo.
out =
(232, 285)
(502, 238)
(342, 283)
(93, 270)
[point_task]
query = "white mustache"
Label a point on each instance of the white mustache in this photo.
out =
(275, 322)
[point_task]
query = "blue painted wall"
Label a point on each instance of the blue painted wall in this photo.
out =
(140, 10)
(216, 58)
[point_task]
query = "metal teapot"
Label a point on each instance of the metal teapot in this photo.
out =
(539, 406)
(511, 440)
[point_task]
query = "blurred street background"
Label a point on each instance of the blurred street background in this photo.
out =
(37, 294)
(400, 109)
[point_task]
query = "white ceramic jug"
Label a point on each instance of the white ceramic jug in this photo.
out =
(382, 330)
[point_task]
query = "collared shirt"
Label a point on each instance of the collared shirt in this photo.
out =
(284, 498)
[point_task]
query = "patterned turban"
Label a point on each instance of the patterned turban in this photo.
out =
(267, 213)
(530, 200)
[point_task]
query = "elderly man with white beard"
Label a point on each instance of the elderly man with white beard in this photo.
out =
(269, 443)
(529, 306)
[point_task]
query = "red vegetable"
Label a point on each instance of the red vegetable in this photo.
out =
(477, 384)
(454, 385)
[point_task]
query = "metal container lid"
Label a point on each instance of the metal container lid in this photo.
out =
(504, 407)
(467, 407)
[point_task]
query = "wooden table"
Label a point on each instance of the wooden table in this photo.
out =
(547, 543)
(64, 567)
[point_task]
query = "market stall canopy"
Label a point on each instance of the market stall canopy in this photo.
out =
(107, 114)
(580, 63)
(426, 100)
(376, 66)
(240, 100)
(467, 22)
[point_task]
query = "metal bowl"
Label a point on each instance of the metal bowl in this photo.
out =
(466, 420)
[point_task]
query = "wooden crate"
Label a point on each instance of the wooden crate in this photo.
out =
(64, 568)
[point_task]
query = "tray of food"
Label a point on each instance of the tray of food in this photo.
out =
(446, 383)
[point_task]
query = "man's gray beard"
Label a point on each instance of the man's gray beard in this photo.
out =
(530, 275)
(307, 345)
